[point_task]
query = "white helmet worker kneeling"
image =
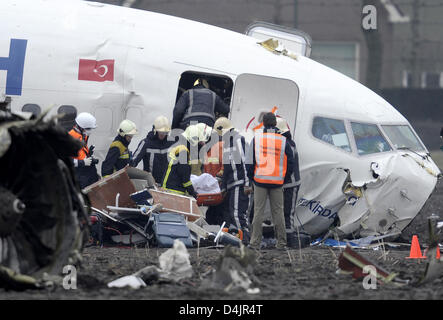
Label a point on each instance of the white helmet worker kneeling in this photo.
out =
(154, 149)
(84, 163)
(118, 154)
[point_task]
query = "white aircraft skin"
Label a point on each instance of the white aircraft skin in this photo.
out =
(150, 51)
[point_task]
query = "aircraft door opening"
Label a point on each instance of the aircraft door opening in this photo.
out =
(254, 94)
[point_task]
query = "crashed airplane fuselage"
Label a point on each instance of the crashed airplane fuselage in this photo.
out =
(361, 161)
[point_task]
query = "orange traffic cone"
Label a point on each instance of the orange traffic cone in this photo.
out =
(415, 252)
(437, 255)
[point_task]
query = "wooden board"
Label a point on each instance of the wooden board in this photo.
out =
(103, 193)
(177, 203)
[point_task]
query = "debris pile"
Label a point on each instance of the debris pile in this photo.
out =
(351, 262)
(129, 209)
(174, 266)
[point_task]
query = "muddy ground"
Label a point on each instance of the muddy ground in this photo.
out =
(309, 273)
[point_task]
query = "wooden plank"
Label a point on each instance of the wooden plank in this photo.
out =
(177, 203)
(103, 193)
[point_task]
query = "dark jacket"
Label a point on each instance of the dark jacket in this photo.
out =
(234, 167)
(154, 153)
(293, 179)
(86, 175)
(178, 177)
(198, 104)
(251, 163)
(117, 157)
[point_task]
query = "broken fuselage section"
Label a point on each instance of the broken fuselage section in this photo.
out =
(364, 170)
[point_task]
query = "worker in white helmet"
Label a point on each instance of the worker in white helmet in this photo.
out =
(84, 163)
(154, 149)
(196, 136)
(118, 154)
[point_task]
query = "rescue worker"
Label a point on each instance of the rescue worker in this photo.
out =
(196, 136)
(272, 159)
(235, 176)
(118, 155)
(292, 181)
(214, 157)
(178, 175)
(199, 104)
(154, 150)
(84, 163)
(216, 214)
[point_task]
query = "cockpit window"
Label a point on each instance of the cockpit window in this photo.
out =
(402, 136)
(369, 139)
(331, 131)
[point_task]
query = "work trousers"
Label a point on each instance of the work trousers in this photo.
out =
(238, 204)
(86, 175)
(275, 196)
(216, 215)
(290, 202)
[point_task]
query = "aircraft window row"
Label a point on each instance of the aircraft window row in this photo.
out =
(369, 139)
(402, 136)
(332, 131)
(67, 121)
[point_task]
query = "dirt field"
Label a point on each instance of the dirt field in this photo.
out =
(309, 273)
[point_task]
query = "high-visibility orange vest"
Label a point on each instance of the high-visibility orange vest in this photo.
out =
(214, 159)
(84, 151)
(270, 158)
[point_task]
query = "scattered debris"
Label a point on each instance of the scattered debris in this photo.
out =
(128, 209)
(434, 267)
(174, 266)
(234, 270)
(174, 263)
(352, 262)
(165, 228)
(361, 243)
(226, 238)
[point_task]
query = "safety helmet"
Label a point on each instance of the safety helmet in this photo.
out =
(85, 120)
(161, 124)
(282, 125)
(204, 132)
(222, 125)
(196, 133)
(202, 81)
(191, 134)
(127, 127)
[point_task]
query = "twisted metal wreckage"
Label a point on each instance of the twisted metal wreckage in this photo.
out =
(46, 220)
(44, 216)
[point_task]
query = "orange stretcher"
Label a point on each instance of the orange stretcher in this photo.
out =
(209, 199)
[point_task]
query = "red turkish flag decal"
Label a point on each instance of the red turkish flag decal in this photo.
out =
(93, 70)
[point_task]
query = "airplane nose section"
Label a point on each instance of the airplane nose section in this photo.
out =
(390, 202)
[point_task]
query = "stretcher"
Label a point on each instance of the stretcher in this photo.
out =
(209, 199)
